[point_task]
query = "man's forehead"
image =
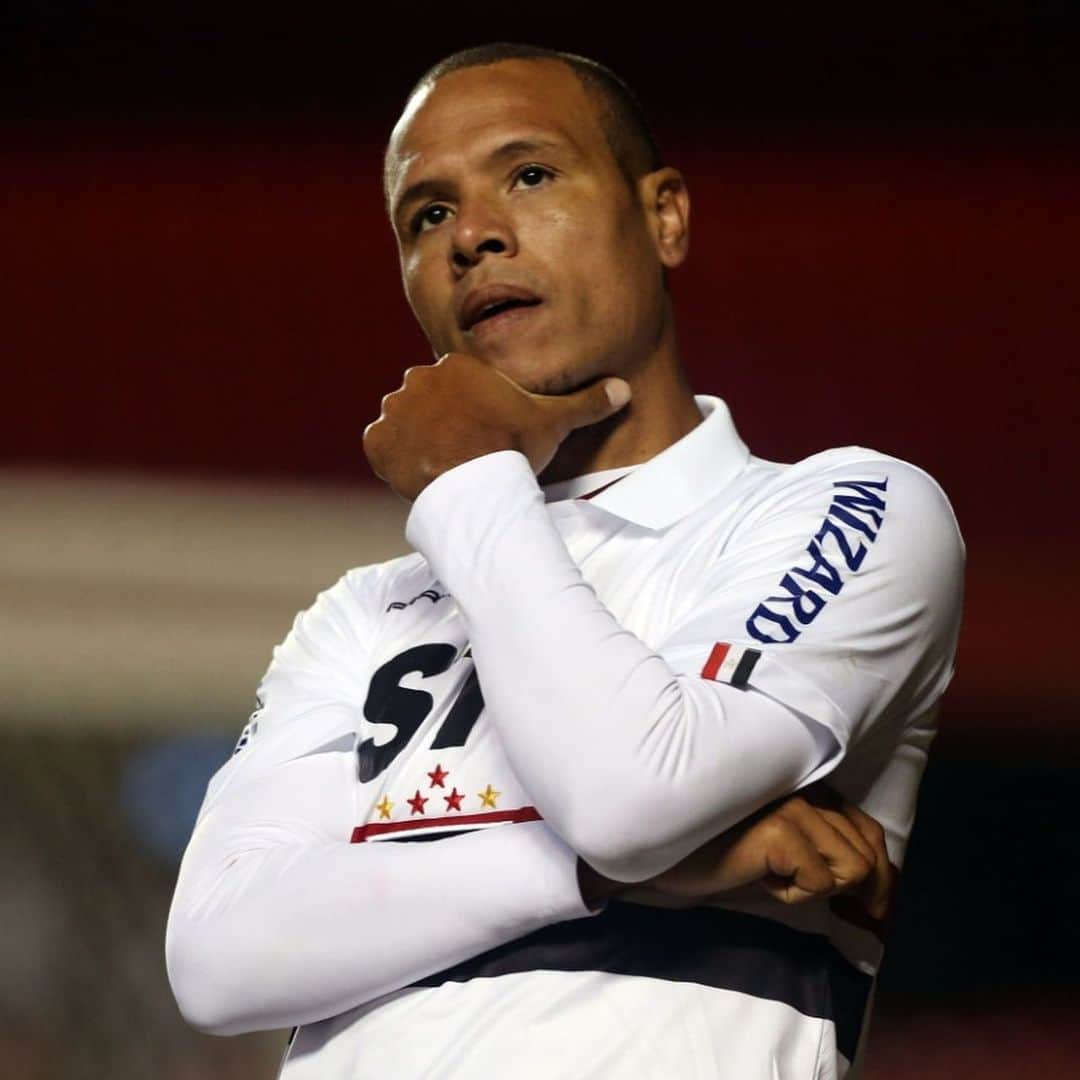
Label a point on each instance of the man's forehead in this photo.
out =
(469, 111)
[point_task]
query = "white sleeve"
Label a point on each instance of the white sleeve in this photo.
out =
(630, 754)
(277, 919)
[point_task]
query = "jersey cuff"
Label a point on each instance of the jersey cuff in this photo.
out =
(454, 515)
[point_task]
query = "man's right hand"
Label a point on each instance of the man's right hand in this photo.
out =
(807, 847)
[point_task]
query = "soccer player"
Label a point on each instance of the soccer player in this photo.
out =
(623, 644)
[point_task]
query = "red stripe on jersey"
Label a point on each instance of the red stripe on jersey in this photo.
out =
(381, 828)
(716, 658)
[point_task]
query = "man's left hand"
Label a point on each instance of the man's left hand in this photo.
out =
(460, 408)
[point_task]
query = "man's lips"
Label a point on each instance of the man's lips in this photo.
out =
(491, 301)
(502, 319)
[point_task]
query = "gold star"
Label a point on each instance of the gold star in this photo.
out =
(488, 796)
(384, 807)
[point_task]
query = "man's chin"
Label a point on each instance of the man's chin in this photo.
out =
(540, 380)
(553, 385)
(528, 368)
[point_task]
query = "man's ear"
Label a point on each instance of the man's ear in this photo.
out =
(667, 206)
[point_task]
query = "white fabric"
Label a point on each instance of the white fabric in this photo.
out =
(589, 623)
(557, 1025)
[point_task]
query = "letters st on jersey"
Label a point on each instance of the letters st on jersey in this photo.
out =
(452, 777)
(431, 696)
(433, 765)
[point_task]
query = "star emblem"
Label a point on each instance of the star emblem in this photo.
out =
(384, 808)
(438, 776)
(417, 803)
(453, 800)
(488, 796)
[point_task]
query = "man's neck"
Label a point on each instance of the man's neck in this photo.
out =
(661, 411)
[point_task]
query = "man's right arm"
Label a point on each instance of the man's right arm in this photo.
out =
(274, 924)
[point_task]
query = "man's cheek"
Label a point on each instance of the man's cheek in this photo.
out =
(562, 229)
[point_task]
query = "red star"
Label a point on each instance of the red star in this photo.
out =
(453, 800)
(438, 776)
(417, 802)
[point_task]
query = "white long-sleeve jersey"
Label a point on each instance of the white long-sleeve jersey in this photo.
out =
(622, 676)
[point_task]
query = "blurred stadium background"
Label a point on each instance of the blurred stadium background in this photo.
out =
(200, 309)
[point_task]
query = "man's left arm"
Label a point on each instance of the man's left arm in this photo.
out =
(631, 755)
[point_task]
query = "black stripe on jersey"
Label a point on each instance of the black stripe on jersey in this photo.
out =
(728, 950)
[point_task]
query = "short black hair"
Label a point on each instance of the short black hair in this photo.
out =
(627, 131)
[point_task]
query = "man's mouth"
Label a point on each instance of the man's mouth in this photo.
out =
(497, 309)
(500, 317)
(490, 302)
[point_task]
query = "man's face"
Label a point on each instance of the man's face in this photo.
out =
(521, 242)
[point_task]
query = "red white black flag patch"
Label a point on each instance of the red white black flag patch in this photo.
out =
(730, 663)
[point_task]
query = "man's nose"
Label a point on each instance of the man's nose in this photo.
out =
(479, 229)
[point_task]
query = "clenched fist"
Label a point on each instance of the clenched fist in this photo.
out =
(804, 849)
(458, 409)
(807, 847)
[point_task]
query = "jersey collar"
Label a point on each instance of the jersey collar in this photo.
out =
(678, 480)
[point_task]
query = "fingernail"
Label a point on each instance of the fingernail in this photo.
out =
(618, 392)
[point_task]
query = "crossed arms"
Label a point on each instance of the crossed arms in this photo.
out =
(278, 921)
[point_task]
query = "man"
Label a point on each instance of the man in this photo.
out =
(580, 689)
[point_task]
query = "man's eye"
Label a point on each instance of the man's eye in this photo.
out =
(533, 176)
(430, 216)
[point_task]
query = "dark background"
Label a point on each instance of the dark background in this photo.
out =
(199, 281)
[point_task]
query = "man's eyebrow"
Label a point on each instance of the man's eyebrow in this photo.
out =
(423, 189)
(517, 147)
